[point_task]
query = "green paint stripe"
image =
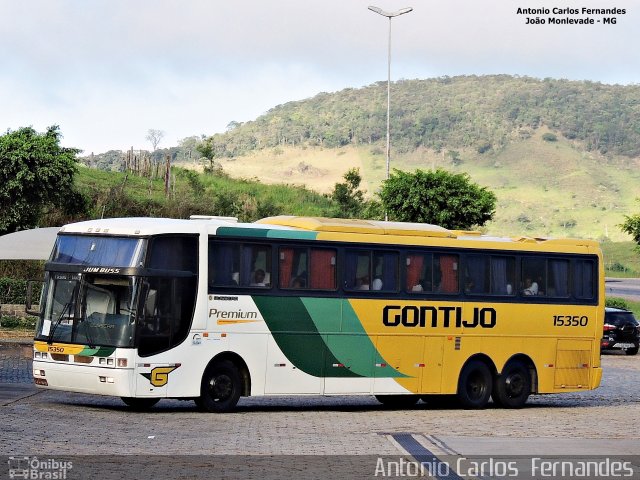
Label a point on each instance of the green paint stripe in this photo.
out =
(265, 233)
(297, 336)
(96, 351)
(352, 346)
(316, 334)
(355, 351)
(292, 234)
(244, 232)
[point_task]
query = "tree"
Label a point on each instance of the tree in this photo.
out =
(631, 225)
(347, 195)
(438, 197)
(206, 149)
(35, 173)
(154, 137)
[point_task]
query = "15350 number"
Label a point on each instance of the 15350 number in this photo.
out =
(570, 321)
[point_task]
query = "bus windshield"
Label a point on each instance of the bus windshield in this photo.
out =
(98, 251)
(89, 309)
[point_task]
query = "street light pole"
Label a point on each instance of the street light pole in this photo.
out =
(389, 15)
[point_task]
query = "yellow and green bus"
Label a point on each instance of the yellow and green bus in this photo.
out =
(211, 310)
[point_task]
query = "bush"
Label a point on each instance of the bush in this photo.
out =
(22, 269)
(549, 137)
(15, 322)
(13, 291)
(615, 302)
(616, 267)
(483, 147)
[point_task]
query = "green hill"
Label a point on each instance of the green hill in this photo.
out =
(562, 156)
(485, 113)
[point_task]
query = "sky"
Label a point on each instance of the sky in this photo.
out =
(107, 71)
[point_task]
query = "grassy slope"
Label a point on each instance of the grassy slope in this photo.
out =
(568, 189)
(289, 199)
(621, 259)
(542, 187)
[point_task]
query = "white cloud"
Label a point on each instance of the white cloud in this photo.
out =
(108, 70)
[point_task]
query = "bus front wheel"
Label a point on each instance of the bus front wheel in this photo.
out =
(221, 385)
(512, 387)
(474, 385)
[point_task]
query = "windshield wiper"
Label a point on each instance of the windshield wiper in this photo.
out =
(67, 305)
(57, 322)
(83, 312)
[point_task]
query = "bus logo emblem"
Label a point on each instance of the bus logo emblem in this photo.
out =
(159, 376)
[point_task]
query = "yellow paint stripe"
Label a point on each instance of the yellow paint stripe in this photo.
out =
(232, 322)
(58, 348)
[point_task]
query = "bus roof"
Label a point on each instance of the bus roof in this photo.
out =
(406, 229)
(338, 229)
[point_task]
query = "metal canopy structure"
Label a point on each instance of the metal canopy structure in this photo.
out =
(35, 244)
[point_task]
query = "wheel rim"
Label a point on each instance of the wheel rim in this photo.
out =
(476, 386)
(514, 384)
(220, 388)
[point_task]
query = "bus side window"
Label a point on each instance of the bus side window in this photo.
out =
(503, 273)
(244, 265)
(322, 269)
(534, 274)
(358, 270)
(584, 279)
(445, 273)
(293, 267)
(224, 260)
(385, 271)
(558, 278)
(255, 266)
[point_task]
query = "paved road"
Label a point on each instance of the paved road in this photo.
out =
(628, 288)
(296, 436)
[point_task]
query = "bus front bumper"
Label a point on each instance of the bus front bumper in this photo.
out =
(117, 382)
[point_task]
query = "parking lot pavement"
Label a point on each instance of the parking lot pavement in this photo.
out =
(45, 422)
(16, 362)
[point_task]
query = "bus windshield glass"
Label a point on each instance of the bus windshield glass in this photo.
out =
(94, 310)
(119, 252)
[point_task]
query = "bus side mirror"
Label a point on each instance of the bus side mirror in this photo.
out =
(28, 307)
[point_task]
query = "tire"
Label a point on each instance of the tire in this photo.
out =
(140, 404)
(631, 351)
(512, 387)
(474, 385)
(221, 388)
(398, 401)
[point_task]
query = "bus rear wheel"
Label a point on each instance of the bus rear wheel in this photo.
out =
(140, 404)
(221, 386)
(398, 401)
(512, 387)
(474, 385)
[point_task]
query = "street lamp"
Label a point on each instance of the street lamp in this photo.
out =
(389, 15)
